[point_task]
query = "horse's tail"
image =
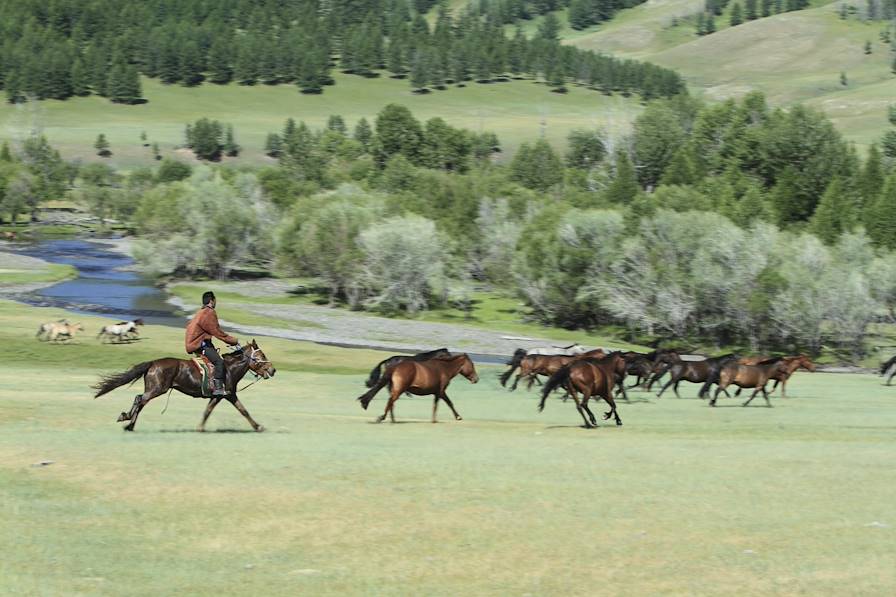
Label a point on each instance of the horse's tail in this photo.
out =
(382, 381)
(43, 328)
(514, 362)
(107, 383)
(560, 378)
(375, 374)
(102, 331)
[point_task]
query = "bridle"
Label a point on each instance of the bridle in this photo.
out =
(252, 360)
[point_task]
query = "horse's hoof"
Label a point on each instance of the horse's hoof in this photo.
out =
(260, 428)
(128, 428)
(619, 423)
(458, 418)
(200, 430)
(122, 417)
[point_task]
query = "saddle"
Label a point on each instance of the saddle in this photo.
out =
(206, 369)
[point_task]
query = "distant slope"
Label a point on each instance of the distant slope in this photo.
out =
(516, 111)
(791, 57)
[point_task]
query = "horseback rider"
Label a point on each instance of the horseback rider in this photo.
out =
(200, 331)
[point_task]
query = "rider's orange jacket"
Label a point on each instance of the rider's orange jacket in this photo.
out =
(204, 326)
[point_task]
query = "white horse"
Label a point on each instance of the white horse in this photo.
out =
(123, 330)
(58, 330)
(569, 351)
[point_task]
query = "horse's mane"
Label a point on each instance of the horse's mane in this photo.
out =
(774, 360)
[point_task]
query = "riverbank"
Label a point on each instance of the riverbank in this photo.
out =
(21, 274)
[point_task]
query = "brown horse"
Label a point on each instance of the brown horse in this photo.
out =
(533, 365)
(591, 377)
(163, 375)
(749, 376)
(422, 378)
(793, 363)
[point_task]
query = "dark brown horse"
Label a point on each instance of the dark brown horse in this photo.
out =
(638, 365)
(888, 366)
(749, 376)
(591, 377)
(423, 378)
(533, 365)
(162, 375)
(793, 363)
(705, 372)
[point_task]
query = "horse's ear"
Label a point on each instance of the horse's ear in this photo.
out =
(253, 343)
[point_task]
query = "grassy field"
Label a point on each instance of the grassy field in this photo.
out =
(682, 499)
(515, 110)
(16, 270)
(791, 57)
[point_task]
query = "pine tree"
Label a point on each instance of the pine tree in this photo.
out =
(750, 10)
(766, 8)
(737, 15)
(419, 75)
(624, 186)
(102, 146)
(752, 208)
(336, 124)
(80, 86)
(710, 25)
(833, 215)
(220, 59)
(231, 149)
(701, 23)
(191, 65)
(13, 87)
(395, 58)
(680, 170)
(871, 179)
(363, 133)
(881, 220)
(273, 145)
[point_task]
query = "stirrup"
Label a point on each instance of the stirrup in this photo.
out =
(218, 390)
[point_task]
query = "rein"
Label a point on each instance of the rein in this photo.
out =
(252, 359)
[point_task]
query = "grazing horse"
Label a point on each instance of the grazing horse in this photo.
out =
(591, 377)
(888, 366)
(749, 376)
(58, 330)
(422, 378)
(532, 366)
(163, 375)
(123, 330)
(705, 372)
(394, 360)
(521, 353)
(792, 363)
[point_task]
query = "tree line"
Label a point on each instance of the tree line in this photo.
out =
(63, 48)
(728, 224)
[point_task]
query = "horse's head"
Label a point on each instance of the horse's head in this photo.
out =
(138, 322)
(468, 369)
(258, 361)
(805, 362)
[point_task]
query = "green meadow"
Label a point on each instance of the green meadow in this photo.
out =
(682, 499)
(517, 111)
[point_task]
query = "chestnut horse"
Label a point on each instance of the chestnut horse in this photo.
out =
(591, 377)
(749, 376)
(163, 375)
(422, 378)
(394, 360)
(793, 363)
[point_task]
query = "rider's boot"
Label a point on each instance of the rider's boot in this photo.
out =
(218, 388)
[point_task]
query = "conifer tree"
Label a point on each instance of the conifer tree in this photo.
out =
(871, 179)
(833, 216)
(750, 10)
(752, 208)
(191, 65)
(363, 133)
(80, 84)
(881, 220)
(102, 146)
(273, 145)
(231, 148)
(766, 8)
(710, 25)
(624, 186)
(5, 153)
(680, 170)
(220, 59)
(419, 76)
(737, 15)
(336, 124)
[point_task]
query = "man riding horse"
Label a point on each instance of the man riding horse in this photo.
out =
(200, 331)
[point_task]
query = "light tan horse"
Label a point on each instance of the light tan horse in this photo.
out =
(58, 330)
(422, 378)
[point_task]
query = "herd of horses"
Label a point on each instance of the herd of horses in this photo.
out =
(64, 331)
(583, 375)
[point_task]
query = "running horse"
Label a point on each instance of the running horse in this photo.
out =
(422, 378)
(792, 364)
(533, 365)
(749, 376)
(164, 375)
(591, 377)
(394, 360)
(123, 330)
(888, 366)
(549, 351)
(705, 372)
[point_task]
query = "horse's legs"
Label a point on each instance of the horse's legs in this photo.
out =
(720, 388)
(765, 395)
(737, 393)
(447, 400)
(622, 389)
(582, 407)
(390, 405)
(753, 395)
(239, 406)
(666, 386)
(435, 406)
(613, 413)
(892, 374)
(139, 402)
(516, 381)
(585, 399)
(208, 411)
(675, 387)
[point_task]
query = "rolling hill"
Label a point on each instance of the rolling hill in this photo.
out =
(791, 57)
